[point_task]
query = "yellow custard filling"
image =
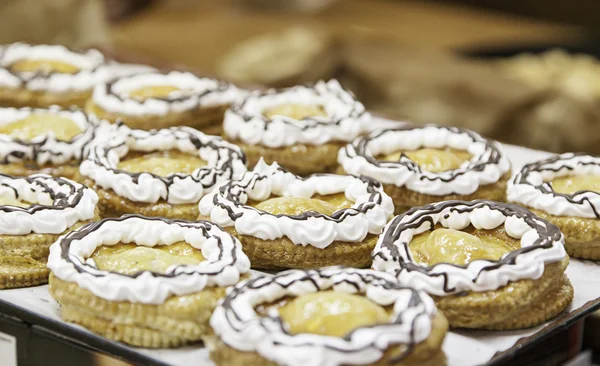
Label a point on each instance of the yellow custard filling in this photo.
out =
(326, 205)
(159, 91)
(131, 258)
(459, 247)
(575, 183)
(43, 66)
(295, 111)
(41, 124)
(161, 163)
(432, 160)
(331, 313)
(8, 201)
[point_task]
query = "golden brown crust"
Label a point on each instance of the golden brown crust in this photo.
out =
(177, 321)
(112, 205)
(299, 159)
(19, 98)
(509, 307)
(426, 353)
(17, 272)
(282, 253)
(25, 168)
(582, 235)
(206, 118)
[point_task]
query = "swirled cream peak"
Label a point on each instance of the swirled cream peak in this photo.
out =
(442, 262)
(311, 115)
(158, 93)
(564, 185)
(178, 165)
(463, 161)
(72, 258)
(363, 209)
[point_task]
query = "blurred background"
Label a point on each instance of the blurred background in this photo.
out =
(523, 72)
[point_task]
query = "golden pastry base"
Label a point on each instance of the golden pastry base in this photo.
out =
(19, 98)
(582, 235)
(112, 205)
(23, 257)
(178, 321)
(299, 159)
(520, 304)
(208, 119)
(283, 254)
(25, 168)
(426, 353)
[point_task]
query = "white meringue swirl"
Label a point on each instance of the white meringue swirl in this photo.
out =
(368, 215)
(346, 118)
(487, 165)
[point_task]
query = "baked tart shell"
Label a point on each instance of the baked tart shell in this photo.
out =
(19, 98)
(68, 170)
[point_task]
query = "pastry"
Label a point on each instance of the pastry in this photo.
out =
(301, 128)
(160, 100)
(159, 172)
(285, 221)
(50, 141)
(44, 75)
(487, 265)
(421, 165)
(147, 282)
(564, 190)
(332, 316)
(34, 212)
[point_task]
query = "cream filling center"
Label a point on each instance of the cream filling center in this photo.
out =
(326, 205)
(42, 124)
(43, 66)
(158, 91)
(295, 111)
(8, 201)
(162, 163)
(576, 183)
(433, 160)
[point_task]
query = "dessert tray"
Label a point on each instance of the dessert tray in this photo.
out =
(36, 307)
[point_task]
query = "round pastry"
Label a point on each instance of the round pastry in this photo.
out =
(34, 212)
(285, 221)
(44, 75)
(422, 165)
(50, 141)
(161, 100)
(148, 282)
(488, 265)
(564, 190)
(328, 317)
(159, 172)
(301, 128)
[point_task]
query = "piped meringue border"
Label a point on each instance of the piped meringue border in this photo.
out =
(236, 322)
(47, 149)
(57, 204)
(530, 186)
(225, 262)
(94, 68)
(346, 117)
(198, 92)
(487, 165)
(368, 215)
(224, 161)
(541, 243)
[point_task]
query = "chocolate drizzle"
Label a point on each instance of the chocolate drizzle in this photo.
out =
(565, 162)
(419, 307)
(391, 249)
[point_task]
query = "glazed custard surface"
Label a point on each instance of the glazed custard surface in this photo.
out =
(161, 163)
(326, 205)
(41, 124)
(295, 111)
(432, 160)
(575, 183)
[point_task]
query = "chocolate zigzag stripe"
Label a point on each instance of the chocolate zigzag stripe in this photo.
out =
(547, 234)
(358, 279)
(546, 188)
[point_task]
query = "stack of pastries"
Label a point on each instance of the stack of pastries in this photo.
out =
(146, 228)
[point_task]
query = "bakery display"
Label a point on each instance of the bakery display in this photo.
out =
(50, 141)
(40, 76)
(160, 100)
(332, 316)
(147, 282)
(301, 128)
(421, 165)
(34, 212)
(564, 190)
(160, 173)
(487, 265)
(286, 221)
